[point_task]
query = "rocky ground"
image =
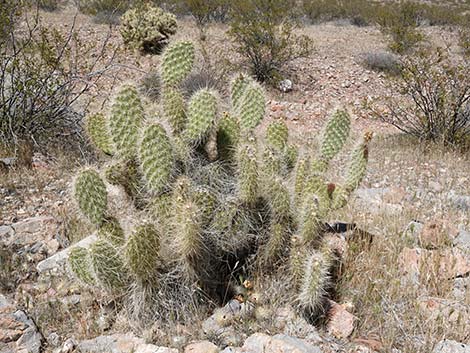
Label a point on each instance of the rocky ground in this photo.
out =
(407, 290)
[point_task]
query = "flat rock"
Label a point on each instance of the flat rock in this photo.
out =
(449, 346)
(56, 264)
(341, 322)
(261, 343)
(201, 347)
(381, 200)
(120, 343)
(462, 240)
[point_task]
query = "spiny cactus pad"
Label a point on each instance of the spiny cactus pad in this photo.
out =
(252, 106)
(111, 231)
(127, 115)
(91, 195)
(174, 108)
(177, 63)
(108, 265)
(80, 264)
(277, 135)
(156, 157)
(358, 164)
(97, 129)
(248, 174)
(202, 112)
(237, 88)
(335, 134)
(142, 252)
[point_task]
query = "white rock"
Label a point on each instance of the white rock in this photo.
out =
(448, 346)
(56, 264)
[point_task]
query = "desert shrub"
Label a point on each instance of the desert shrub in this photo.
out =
(358, 12)
(41, 81)
(401, 23)
(49, 5)
(382, 61)
(439, 92)
(106, 11)
(263, 33)
(464, 41)
(147, 28)
(204, 12)
(223, 209)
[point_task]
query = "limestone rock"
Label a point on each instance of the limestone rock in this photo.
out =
(201, 347)
(449, 346)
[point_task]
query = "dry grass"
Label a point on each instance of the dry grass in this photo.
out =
(372, 278)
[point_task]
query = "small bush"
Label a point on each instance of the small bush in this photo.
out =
(382, 61)
(464, 41)
(147, 28)
(358, 12)
(204, 12)
(439, 93)
(106, 11)
(49, 5)
(401, 24)
(263, 32)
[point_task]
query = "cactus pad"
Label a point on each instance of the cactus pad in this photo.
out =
(156, 157)
(335, 135)
(202, 112)
(127, 115)
(98, 132)
(80, 264)
(108, 265)
(91, 196)
(177, 63)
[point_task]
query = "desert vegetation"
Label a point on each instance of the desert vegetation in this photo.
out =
(234, 176)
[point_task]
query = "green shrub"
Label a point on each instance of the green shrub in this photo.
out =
(217, 217)
(147, 28)
(438, 98)
(464, 41)
(106, 11)
(49, 5)
(401, 24)
(359, 12)
(263, 32)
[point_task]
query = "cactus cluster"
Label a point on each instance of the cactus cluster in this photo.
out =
(212, 195)
(147, 28)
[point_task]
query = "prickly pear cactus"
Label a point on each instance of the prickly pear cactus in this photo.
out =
(211, 201)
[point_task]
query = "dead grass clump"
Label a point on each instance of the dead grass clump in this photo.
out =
(382, 61)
